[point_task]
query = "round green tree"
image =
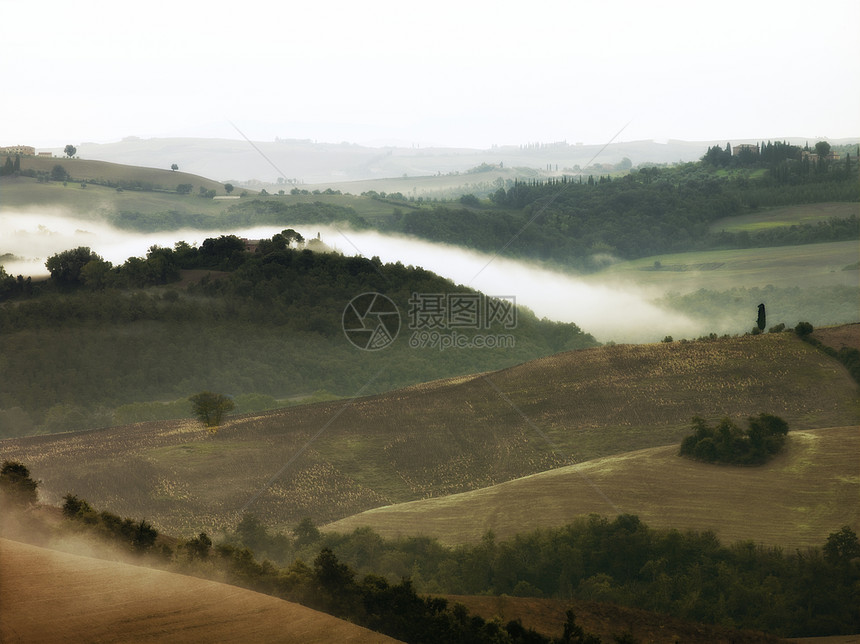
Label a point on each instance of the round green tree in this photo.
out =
(211, 408)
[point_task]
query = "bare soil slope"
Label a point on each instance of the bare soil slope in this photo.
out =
(51, 596)
(795, 500)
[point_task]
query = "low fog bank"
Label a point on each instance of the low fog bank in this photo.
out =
(610, 312)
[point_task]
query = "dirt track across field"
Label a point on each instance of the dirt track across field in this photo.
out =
(52, 596)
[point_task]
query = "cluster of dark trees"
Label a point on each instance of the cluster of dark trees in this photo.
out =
(690, 575)
(395, 609)
(14, 286)
(11, 166)
(781, 158)
(728, 443)
(139, 536)
(18, 488)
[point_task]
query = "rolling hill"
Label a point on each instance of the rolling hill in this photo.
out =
(796, 500)
(331, 460)
(106, 172)
(51, 596)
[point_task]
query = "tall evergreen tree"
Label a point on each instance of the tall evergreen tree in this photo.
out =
(761, 321)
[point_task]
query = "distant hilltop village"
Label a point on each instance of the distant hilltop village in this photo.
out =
(24, 151)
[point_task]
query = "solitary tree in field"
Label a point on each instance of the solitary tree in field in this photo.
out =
(174, 167)
(228, 187)
(211, 408)
(70, 150)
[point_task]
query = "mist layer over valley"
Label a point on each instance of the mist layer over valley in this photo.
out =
(614, 304)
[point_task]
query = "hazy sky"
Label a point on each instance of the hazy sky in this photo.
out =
(468, 73)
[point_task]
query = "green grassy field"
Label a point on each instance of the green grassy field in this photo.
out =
(439, 438)
(796, 500)
(809, 265)
(786, 216)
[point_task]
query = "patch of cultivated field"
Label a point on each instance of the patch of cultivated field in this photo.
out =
(787, 216)
(807, 265)
(331, 460)
(796, 500)
(51, 596)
